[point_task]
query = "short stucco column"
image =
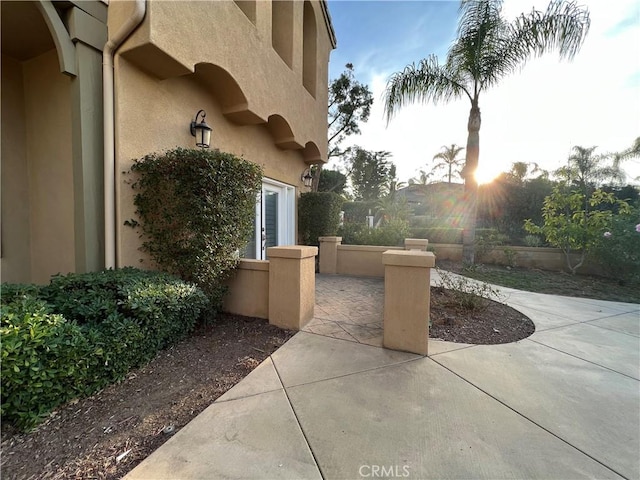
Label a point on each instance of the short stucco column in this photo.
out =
(407, 275)
(292, 285)
(420, 244)
(329, 254)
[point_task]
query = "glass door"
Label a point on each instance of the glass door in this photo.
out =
(275, 220)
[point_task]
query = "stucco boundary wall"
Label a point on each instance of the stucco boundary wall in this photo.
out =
(281, 289)
(366, 260)
(359, 260)
(543, 258)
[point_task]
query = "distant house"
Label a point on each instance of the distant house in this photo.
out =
(72, 123)
(435, 200)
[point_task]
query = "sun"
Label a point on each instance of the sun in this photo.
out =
(484, 176)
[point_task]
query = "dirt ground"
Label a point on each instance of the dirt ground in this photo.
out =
(494, 324)
(107, 435)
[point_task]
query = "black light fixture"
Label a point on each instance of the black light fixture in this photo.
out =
(307, 177)
(201, 131)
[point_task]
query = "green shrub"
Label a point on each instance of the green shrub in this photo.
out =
(357, 212)
(196, 210)
(318, 215)
(469, 294)
(391, 234)
(42, 356)
(575, 223)
(487, 239)
(51, 352)
(532, 241)
(618, 249)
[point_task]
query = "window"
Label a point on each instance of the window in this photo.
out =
(282, 29)
(309, 47)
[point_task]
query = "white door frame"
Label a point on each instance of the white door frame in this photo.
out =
(285, 216)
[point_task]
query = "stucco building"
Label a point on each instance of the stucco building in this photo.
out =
(88, 86)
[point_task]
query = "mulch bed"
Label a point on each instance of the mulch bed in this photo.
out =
(108, 434)
(494, 323)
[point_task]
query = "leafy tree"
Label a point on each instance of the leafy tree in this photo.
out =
(449, 159)
(393, 210)
(574, 224)
(393, 184)
(349, 104)
(506, 202)
(628, 193)
(370, 173)
(332, 181)
(487, 48)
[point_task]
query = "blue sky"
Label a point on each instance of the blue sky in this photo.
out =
(532, 116)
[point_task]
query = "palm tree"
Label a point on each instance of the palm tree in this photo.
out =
(520, 170)
(421, 179)
(448, 159)
(487, 48)
(632, 152)
(587, 169)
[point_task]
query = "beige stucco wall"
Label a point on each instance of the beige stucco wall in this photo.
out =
(16, 254)
(537, 257)
(177, 36)
(248, 293)
(526, 257)
(255, 102)
(38, 215)
(48, 125)
(361, 260)
(155, 115)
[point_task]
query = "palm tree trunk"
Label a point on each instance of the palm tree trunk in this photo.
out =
(471, 186)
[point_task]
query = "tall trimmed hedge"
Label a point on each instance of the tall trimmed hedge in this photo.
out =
(81, 332)
(318, 215)
(196, 209)
(356, 212)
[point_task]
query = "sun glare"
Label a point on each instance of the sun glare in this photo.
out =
(485, 176)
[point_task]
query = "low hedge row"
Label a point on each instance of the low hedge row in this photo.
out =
(81, 332)
(386, 235)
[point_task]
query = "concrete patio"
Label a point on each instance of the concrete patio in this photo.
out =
(331, 403)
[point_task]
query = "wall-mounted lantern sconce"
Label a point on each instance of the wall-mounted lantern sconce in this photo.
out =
(201, 131)
(307, 177)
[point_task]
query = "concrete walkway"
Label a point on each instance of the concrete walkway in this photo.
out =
(561, 404)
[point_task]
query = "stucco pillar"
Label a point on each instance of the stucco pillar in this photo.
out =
(88, 32)
(416, 244)
(329, 254)
(407, 275)
(292, 285)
